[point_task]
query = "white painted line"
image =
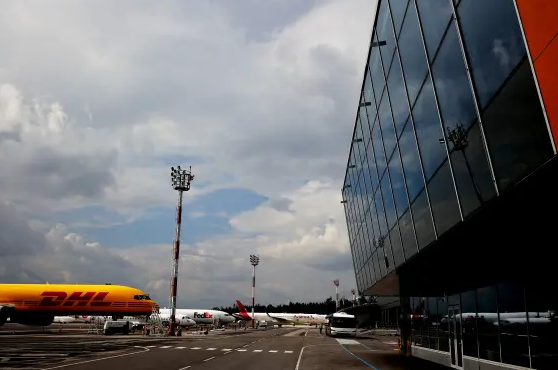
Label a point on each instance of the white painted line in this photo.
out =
(207, 359)
(226, 353)
(346, 341)
(148, 346)
(195, 348)
(211, 349)
(226, 349)
(272, 351)
(288, 351)
(257, 350)
(97, 359)
(241, 350)
(180, 347)
(165, 347)
(185, 367)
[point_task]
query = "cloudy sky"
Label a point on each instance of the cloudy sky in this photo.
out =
(98, 99)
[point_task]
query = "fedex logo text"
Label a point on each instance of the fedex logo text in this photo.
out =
(80, 299)
(204, 315)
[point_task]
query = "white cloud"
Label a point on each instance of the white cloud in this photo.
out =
(93, 105)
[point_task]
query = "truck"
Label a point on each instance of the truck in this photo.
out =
(114, 327)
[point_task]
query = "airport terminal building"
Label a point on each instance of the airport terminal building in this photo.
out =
(451, 187)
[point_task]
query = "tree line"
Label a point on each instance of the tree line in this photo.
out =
(320, 308)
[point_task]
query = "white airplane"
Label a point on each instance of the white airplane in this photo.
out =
(506, 318)
(280, 318)
(200, 317)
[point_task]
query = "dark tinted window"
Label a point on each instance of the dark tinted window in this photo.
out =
(411, 162)
(434, 15)
(381, 214)
(487, 324)
(398, 8)
(398, 96)
(513, 325)
(397, 247)
(516, 130)
(386, 120)
(443, 200)
(398, 184)
(408, 235)
(384, 31)
(379, 150)
(423, 220)
(469, 323)
(443, 340)
(455, 98)
(412, 54)
(493, 41)
(372, 171)
(433, 323)
(378, 80)
(428, 129)
(388, 202)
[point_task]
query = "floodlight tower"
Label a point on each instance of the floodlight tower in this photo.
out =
(336, 282)
(254, 261)
(180, 180)
(353, 293)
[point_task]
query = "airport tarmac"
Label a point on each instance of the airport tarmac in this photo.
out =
(278, 348)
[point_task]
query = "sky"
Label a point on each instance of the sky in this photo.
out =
(98, 99)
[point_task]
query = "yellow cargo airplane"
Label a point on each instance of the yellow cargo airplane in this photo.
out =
(38, 304)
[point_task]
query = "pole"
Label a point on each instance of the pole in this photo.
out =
(180, 182)
(176, 248)
(253, 294)
(336, 282)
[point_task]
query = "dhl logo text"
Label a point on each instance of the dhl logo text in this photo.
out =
(53, 299)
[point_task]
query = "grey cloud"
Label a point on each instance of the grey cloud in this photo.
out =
(16, 237)
(281, 204)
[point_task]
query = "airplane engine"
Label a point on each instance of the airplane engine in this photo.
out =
(33, 320)
(185, 322)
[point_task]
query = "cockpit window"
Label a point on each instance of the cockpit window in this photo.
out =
(142, 297)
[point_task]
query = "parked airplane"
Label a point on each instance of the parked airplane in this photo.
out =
(203, 317)
(279, 318)
(38, 304)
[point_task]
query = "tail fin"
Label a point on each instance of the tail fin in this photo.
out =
(241, 307)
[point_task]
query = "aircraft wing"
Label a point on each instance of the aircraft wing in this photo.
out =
(280, 319)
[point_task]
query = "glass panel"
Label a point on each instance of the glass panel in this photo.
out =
(407, 235)
(387, 254)
(369, 94)
(398, 96)
(411, 163)
(398, 184)
(434, 16)
(513, 324)
(378, 79)
(369, 232)
(388, 131)
(429, 131)
(379, 151)
(423, 220)
(380, 273)
(455, 99)
(493, 41)
(469, 323)
(372, 167)
(376, 223)
(412, 54)
(388, 203)
(397, 247)
(366, 133)
(487, 324)
(398, 8)
(433, 322)
(424, 330)
(516, 130)
(443, 200)
(384, 31)
(443, 331)
(543, 331)
(381, 214)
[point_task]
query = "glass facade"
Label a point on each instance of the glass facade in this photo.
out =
(449, 118)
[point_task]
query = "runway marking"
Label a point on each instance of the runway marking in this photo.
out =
(149, 346)
(226, 349)
(346, 341)
(165, 347)
(272, 351)
(211, 349)
(241, 350)
(257, 350)
(288, 351)
(180, 347)
(185, 367)
(195, 348)
(207, 359)
(98, 359)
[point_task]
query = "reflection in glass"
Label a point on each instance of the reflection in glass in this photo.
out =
(371, 159)
(388, 202)
(366, 133)
(434, 16)
(428, 129)
(384, 31)
(412, 54)
(411, 162)
(398, 184)
(398, 8)
(543, 326)
(381, 214)
(457, 107)
(388, 131)
(417, 305)
(398, 96)
(513, 324)
(379, 150)
(423, 220)
(369, 93)
(493, 40)
(469, 323)
(443, 200)
(397, 247)
(378, 80)
(487, 324)
(443, 331)
(516, 130)
(408, 235)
